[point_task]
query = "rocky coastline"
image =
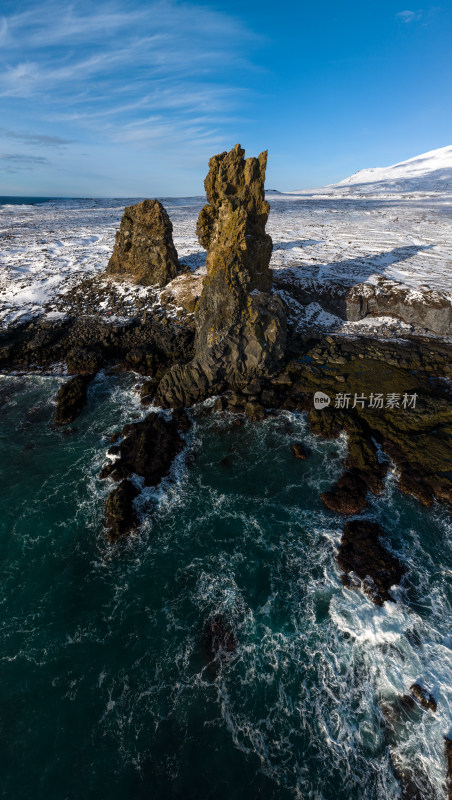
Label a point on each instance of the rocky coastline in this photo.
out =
(229, 337)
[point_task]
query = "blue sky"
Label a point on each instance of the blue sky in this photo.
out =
(132, 98)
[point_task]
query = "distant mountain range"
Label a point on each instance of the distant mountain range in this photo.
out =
(429, 172)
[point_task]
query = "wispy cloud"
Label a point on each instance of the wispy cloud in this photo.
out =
(410, 16)
(35, 138)
(163, 76)
(16, 162)
(106, 62)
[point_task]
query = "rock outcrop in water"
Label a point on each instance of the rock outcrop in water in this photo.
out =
(71, 398)
(144, 248)
(240, 325)
(120, 513)
(146, 449)
(424, 698)
(448, 754)
(361, 554)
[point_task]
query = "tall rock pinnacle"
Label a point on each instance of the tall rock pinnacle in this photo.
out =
(144, 248)
(240, 325)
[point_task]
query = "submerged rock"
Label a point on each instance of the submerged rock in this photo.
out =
(71, 398)
(240, 325)
(398, 718)
(218, 637)
(299, 451)
(120, 514)
(361, 554)
(144, 248)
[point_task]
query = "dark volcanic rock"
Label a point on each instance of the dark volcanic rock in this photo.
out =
(254, 412)
(423, 697)
(144, 247)
(240, 325)
(448, 754)
(349, 494)
(120, 514)
(147, 449)
(399, 716)
(414, 783)
(71, 398)
(145, 344)
(218, 637)
(82, 361)
(299, 451)
(362, 554)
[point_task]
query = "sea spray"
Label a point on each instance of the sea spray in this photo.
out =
(104, 680)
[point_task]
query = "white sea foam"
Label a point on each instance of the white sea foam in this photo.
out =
(314, 660)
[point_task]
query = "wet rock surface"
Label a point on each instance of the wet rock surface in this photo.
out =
(299, 451)
(361, 554)
(71, 398)
(348, 496)
(424, 698)
(145, 449)
(120, 514)
(148, 449)
(414, 782)
(144, 247)
(448, 754)
(240, 325)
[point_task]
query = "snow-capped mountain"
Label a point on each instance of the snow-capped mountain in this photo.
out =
(428, 172)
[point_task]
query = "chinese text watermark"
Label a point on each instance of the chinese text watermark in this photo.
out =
(392, 400)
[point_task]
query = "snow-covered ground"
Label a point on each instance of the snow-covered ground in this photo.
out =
(381, 229)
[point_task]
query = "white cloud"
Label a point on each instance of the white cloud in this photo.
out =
(87, 64)
(3, 30)
(410, 16)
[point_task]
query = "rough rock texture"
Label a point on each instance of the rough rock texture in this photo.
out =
(348, 496)
(71, 398)
(144, 247)
(183, 292)
(448, 754)
(352, 302)
(145, 344)
(120, 514)
(240, 325)
(362, 554)
(147, 449)
(412, 777)
(423, 697)
(299, 451)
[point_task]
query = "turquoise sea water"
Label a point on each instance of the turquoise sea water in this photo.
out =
(104, 688)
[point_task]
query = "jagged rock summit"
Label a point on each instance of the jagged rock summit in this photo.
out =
(144, 247)
(240, 325)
